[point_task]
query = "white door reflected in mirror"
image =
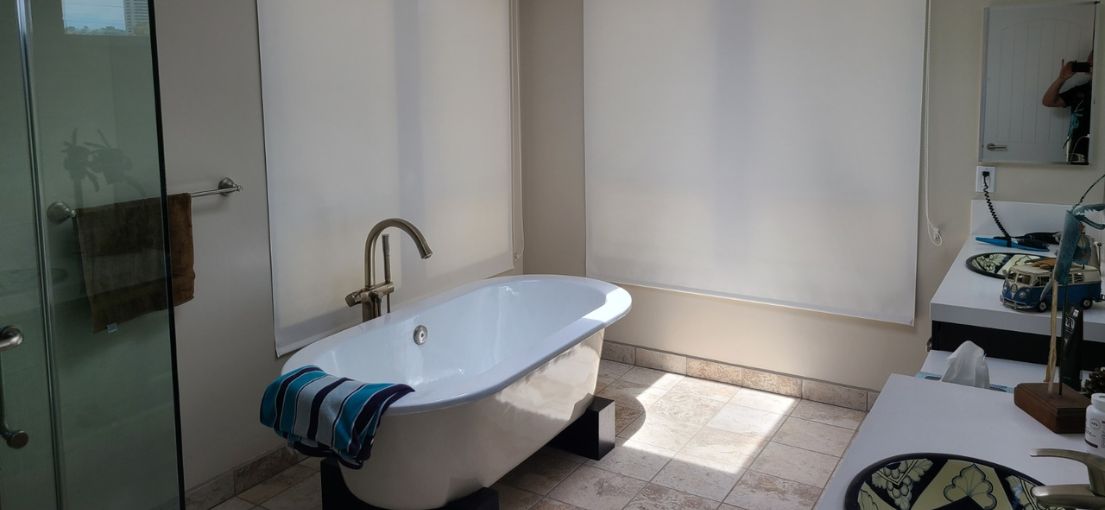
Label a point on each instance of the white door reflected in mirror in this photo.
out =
(1036, 98)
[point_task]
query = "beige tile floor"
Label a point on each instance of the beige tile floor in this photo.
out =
(682, 443)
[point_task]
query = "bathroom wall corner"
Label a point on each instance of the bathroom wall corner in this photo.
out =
(209, 67)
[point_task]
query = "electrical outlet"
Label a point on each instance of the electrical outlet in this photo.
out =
(992, 179)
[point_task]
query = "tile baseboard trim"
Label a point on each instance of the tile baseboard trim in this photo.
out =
(235, 481)
(860, 399)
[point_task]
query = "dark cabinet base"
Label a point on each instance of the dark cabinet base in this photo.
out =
(1012, 345)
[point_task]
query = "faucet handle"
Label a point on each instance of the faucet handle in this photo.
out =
(1094, 464)
(356, 297)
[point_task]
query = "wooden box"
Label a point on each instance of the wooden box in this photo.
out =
(1062, 414)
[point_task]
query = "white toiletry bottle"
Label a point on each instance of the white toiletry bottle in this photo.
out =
(1095, 421)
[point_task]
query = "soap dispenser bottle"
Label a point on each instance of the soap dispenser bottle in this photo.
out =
(1095, 421)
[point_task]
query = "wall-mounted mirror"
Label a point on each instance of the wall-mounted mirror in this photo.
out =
(1036, 101)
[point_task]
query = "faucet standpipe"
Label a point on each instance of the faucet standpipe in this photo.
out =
(372, 296)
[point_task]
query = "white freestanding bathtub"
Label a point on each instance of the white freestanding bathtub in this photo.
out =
(506, 365)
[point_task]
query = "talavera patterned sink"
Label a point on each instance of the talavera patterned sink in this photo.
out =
(930, 481)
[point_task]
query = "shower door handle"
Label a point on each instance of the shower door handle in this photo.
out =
(10, 338)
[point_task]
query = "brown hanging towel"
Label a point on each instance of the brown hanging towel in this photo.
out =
(122, 257)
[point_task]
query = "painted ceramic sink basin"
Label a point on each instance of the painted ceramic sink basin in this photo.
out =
(930, 481)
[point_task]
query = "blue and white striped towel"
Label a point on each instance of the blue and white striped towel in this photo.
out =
(326, 416)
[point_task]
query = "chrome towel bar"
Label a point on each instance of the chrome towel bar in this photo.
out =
(58, 212)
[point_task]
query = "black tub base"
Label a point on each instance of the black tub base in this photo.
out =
(336, 495)
(592, 435)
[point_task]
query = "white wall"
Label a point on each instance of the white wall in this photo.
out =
(211, 110)
(809, 344)
(550, 45)
(211, 107)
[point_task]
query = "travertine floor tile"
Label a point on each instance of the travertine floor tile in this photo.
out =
(662, 432)
(764, 401)
(658, 497)
(708, 389)
(613, 368)
(636, 459)
(714, 371)
(594, 489)
(745, 420)
(512, 498)
(757, 490)
(804, 466)
(305, 495)
(235, 504)
(722, 450)
(772, 382)
(665, 361)
(610, 371)
(632, 394)
(652, 378)
(811, 435)
(825, 413)
(686, 407)
(313, 463)
(835, 394)
(625, 416)
(691, 476)
(619, 352)
(552, 504)
(282, 481)
(541, 472)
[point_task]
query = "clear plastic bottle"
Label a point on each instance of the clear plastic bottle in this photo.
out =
(1095, 421)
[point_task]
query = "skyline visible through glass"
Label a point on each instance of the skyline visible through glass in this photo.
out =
(105, 17)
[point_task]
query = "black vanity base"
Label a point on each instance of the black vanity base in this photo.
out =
(592, 435)
(1013, 345)
(336, 496)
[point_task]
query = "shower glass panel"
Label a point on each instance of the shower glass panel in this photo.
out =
(27, 474)
(95, 396)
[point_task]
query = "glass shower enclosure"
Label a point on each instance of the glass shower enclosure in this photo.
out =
(88, 407)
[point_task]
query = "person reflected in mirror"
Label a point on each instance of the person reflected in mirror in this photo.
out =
(1077, 97)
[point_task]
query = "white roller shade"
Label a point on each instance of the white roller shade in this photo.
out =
(764, 150)
(375, 109)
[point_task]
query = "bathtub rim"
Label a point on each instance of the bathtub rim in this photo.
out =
(616, 305)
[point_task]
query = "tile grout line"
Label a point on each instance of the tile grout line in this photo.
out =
(665, 392)
(789, 414)
(676, 452)
(705, 425)
(557, 484)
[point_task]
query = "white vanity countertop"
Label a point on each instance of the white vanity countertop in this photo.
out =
(1002, 371)
(966, 297)
(915, 416)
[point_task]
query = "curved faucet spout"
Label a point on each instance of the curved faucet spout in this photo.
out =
(416, 235)
(372, 294)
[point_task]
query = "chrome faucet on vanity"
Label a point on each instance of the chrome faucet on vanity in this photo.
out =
(1089, 497)
(372, 296)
